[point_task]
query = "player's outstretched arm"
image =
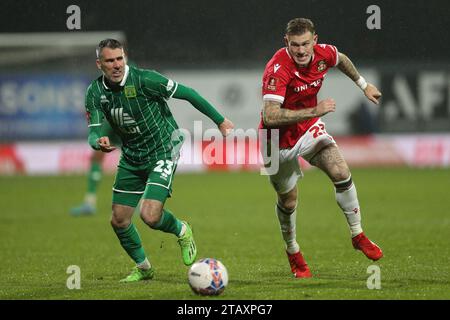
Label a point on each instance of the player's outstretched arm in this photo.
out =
(200, 103)
(275, 116)
(348, 68)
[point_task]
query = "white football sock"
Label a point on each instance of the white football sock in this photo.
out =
(288, 229)
(183, 230)
(144, 265)
(348, 202)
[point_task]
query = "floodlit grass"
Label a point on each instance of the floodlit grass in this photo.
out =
(405, 211)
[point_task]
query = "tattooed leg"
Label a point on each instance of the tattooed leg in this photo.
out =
(331, 161)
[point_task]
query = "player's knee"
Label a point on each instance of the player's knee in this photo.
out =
(150, 214)
(289, 200)
(119, 222)
(341, 174)
(289, 205)
(150, 220)
(121, 216)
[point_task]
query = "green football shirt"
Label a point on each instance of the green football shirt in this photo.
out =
(138, 113)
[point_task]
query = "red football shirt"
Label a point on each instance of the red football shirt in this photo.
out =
(296, 87)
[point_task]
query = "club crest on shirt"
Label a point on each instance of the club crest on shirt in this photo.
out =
(272, 84)
(130, 92)
(321, 65)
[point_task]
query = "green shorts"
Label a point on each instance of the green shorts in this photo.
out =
(152, 181)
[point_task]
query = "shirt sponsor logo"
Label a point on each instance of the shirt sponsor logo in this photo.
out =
(304, 87)
(124, 121)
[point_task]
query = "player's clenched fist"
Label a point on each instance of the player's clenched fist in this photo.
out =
(325, 106)
(105, 145)
(226, 127)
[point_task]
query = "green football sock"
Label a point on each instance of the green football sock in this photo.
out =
(131, 242)
(168, 223)
(94, 177)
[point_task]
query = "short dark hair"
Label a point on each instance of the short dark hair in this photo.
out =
(108, 43)
(299, 26)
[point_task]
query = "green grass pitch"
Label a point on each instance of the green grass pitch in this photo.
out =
(406, 211)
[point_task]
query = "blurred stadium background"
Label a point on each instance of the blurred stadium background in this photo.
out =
(220, 48)
(46, 68)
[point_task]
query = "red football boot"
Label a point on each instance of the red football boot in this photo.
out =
(298, 264)
(370, 249)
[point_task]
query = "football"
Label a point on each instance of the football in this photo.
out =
(208, 277)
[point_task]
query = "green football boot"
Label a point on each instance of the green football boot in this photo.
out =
(187, 244)
(139, 274)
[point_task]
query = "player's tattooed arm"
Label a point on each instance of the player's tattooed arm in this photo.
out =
(347, 67)
(275, 116)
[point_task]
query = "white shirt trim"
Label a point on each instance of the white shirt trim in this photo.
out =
(337, 55)
(289, 55)
(158, 184)
(123, 191)
(174, 90)
(287, 51)
(95, 125)
(103, 82)
(125, 76)
(273, 97)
